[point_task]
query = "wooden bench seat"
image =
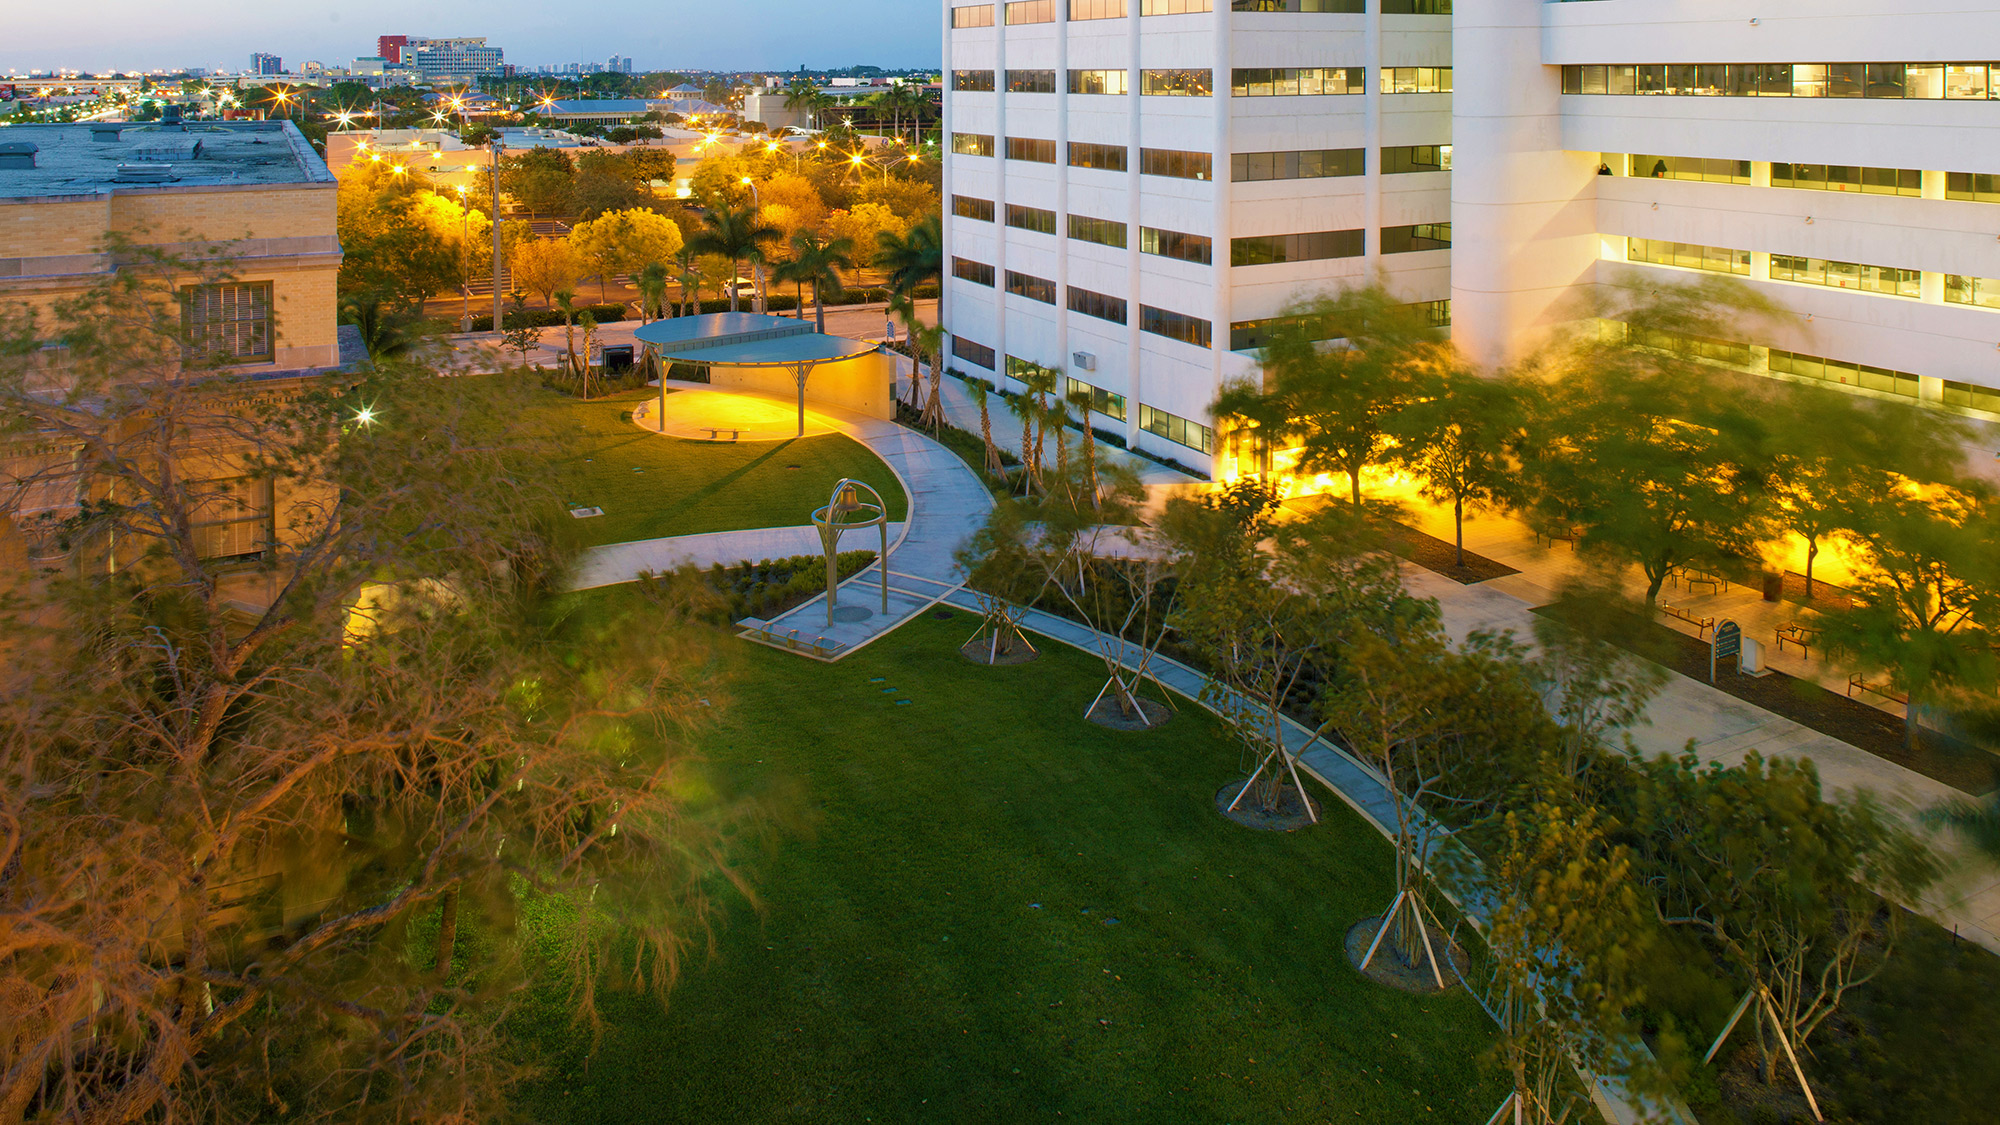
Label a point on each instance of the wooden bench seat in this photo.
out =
(1701, 624)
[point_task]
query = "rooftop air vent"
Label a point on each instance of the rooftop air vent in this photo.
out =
(106, 132)
(145, 173)
(17, 155)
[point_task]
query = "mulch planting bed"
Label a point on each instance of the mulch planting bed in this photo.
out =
(1810, 705)
(1290, 816)
(1439, 556)
(1387, 968)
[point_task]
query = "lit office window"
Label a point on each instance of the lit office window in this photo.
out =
(1177, 83)
(1176, 429)
(972, 15)
(1106, 158)
(1886, 280)
(1196, 248)
(1097, 82)
(1416, 158)
(1416, 236)
(1282, 82)
(1175, 163)
(1416, 80)
(1688, 256)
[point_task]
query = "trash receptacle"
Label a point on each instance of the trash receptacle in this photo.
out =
(1774, 586)
(617, 357)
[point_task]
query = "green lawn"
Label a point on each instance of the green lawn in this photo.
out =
(986, 909)
(651, 486)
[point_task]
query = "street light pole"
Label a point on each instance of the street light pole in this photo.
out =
(496, 147)
(464, 263)
(757, 259)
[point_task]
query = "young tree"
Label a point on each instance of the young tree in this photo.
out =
(817, 262)
(1567, 928)
(1445, 728)
(546, 266)
(687, 273)
(1335, 403)
(1786, 887)
(1592, 687)
(308, 679)
(1457, 436)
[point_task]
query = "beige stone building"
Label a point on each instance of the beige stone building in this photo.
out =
(257, 184)
(254, 193)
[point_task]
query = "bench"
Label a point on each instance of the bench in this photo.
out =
(715, 432)
(1701, 624)
(1803, 636)
(1693, 577)
(1855, 683)
(1567, 535)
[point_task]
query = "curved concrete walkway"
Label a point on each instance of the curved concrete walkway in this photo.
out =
(947, 503)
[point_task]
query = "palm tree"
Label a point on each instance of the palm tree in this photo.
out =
(911, 259)
(735, 233)
(928, 344)
(977, 389)
(652, 285)
(802, 94)
(689, 275)
(816, 262)
(1083, 402)
(1040, 385)
(1025, 407)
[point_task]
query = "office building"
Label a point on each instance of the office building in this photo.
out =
(262, 64)
(1136, 188)
(620, 64)
(450, 60)
(390, 47)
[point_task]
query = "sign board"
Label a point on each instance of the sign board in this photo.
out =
(1728, 642)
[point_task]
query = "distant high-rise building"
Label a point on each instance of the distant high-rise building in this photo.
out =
(262, 64)
(621, 64)
(452, 58)
(390, 47)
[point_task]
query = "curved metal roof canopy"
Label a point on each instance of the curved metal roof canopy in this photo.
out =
(749, 340)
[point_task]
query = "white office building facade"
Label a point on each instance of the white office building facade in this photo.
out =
(1134, 188)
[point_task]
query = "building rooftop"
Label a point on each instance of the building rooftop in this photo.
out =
(92, 159)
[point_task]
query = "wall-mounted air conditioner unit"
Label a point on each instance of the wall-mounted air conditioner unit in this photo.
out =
(1083, 361)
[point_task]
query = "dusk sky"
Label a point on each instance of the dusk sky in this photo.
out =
(102, 35)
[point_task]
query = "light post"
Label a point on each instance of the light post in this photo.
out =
(496, 148)
(756, 255)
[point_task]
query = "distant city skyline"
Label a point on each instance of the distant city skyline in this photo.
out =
(773, 35)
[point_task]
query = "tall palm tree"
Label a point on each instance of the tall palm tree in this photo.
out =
(1083, 403)
(817, 262)
(735, 233)
(689, 275)
(802, 94)
(977, 389)
(928, 343)
(911, 259)
(652, 285)
(1028, 411)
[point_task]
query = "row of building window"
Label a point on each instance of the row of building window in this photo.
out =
(1101, 400)
(1244, 82)
(1245, 335)
(1244, 167)
(1849, 374)
(1044, 11)
(1978, 187)
(1257, 250)
(1956, 81)
(1887, 280)
(1032, 287)
(1842, 372)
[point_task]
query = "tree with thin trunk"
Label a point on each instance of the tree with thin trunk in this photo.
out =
(566, 305)
(1796, 894)
(817, 262)
(1567, 932)
(1457, 436)
(735, 233)
(307, 678)
(1024, 407)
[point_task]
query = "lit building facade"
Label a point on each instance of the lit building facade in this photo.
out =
(1135, 188)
